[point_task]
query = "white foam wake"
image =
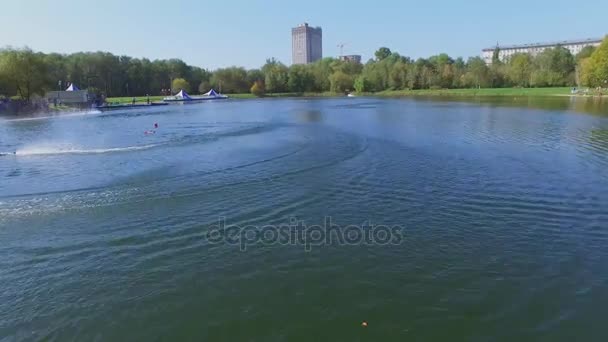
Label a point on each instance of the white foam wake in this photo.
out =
(60, 115)
(51, 150)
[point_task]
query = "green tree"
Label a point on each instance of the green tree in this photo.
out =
(275, 76)
(180, 84)
(204, 87)
(497, 73)
(373, 75)
(7, 87)
(585, 52)
(258, 88)
(199, 76)
(520, 69)
(397, 75)
(55, 70)
(25, 70)
(254, 75)
(300, 79)
(477, 73)
(382, 53)
(341, 82)
(553, 67)
(441, 70)
(321, 70)
(458, 70)
(361, 84)
(496, 55)
(595, 68)
(230, 80)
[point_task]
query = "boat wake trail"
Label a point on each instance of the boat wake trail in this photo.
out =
(60, 115)
(54, 150)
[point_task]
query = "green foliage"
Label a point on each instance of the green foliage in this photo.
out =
(585, 52)
(481, 92)
(180, 84)
(595, 68)
(397, 75)
(520, 69)
(230, 80)
(255, 75)
(204, 87)
(382, 53)
(300, 79)
(321, 70)
(258, 88)
(110, 74)
(496, 56)
(276, 76)
(341, 82)
(553, 67)
(497, 73)
(477, 74)
(361, 84)
(23, 71)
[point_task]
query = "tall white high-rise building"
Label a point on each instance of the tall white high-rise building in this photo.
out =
(306, 44)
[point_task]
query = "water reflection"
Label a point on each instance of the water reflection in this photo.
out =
(589, 105)
(599, 139)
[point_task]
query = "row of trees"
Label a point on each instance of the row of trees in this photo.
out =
(24, 73)
(550, 68)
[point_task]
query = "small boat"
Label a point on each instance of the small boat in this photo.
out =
(351, 95)
(182, 96)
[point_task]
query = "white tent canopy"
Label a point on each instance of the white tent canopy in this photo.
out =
(72, 87)
(182, 95)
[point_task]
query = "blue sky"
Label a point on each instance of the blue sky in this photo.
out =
(214, 34)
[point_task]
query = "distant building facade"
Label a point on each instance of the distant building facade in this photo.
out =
(505, 52)
(306, 44)
(351, 58)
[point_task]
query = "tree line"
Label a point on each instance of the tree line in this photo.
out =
(24, 73)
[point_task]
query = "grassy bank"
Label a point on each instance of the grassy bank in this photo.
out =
(512, 92)
(278, 95)
(478, 92)
(138, 99)
(143, 99)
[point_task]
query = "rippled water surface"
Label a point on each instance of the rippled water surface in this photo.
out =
(105, 231)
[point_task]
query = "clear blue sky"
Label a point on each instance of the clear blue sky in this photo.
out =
(213, 34)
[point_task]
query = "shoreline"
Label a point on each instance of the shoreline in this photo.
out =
(464, 94)
(470, 92)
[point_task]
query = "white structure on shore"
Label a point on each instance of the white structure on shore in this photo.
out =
(71, 96)
(575, 46)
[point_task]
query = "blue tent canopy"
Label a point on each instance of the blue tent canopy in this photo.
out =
(183, 95)
(211, 93)
(72, 87)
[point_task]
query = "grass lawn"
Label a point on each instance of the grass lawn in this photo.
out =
(138, 99)
(561, 91)
(479, 92)
(142, 99)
